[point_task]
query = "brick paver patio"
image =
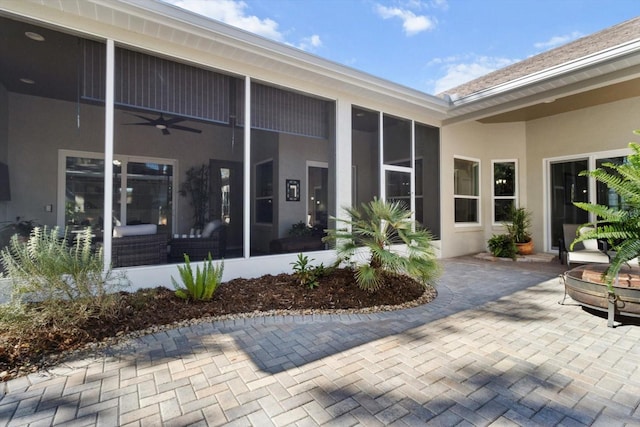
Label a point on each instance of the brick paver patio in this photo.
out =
(494, 348)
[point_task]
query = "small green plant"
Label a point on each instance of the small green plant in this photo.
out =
(50, 267)
(56, 282)
(378, 226)
(518, 225)
(300, 229)
(502, 246)
(202, 285)
(307, 274)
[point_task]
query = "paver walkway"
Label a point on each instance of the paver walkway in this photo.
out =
(494, 348)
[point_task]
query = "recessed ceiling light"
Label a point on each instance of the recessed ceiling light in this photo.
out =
(27, 81)
(34, 36)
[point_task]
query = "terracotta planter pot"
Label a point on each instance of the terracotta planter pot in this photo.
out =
(525, 248)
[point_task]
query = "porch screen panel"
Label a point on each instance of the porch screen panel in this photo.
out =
(158, 84)
(288, 112)
(93, 67)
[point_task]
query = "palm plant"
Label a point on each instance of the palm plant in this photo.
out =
(619, 226)
(518, 224)
(378, 226)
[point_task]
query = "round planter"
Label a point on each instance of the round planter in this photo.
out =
(584, 285)
(525, 248)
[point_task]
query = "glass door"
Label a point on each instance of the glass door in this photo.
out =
(226, 201)
(567, 187)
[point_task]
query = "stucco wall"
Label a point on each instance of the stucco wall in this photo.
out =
(590, 130)
(294, 152)
(484, 142)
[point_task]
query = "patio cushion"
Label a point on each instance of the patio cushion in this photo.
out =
(211, 227)
(134, 230)
(589, 244)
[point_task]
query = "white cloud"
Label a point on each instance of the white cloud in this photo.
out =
(411, 23)
(556, 41)
(233, 13)
(310, 43)
(459, 70)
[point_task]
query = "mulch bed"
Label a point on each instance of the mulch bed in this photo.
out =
(149, 308)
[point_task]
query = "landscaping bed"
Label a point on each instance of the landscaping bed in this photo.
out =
(147, 309)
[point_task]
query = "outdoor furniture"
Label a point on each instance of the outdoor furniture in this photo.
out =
(146, 249)
(296, 244)
(198, 248)
(585, 252)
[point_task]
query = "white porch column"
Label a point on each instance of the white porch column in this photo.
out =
(246, 221)
(381, 175)
(343, 159)
(108, 153)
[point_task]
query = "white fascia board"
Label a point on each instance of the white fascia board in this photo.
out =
(558, 71)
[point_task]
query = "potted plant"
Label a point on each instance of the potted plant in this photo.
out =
(518, 225)
(196, 186)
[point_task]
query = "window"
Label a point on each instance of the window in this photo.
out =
(504, 188)
(264, 192)
(466, 190)
(142, 191)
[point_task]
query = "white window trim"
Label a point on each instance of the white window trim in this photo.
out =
(478, 197)
(62, 167)
(515, 196)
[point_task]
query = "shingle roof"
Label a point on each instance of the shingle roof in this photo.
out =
(597, 42)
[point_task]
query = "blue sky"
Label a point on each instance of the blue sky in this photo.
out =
(429, 45)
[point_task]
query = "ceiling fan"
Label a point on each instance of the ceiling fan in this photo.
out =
(164, 124)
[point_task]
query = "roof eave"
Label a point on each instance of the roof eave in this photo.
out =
(536, 82)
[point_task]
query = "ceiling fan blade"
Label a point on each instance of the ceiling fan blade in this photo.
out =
(172, 121)
(165, 131)
(140, 124)
(185, 128)
(142, 117)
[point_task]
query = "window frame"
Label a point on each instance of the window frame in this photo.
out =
(514, 197)
(477, 197)
(124, 160)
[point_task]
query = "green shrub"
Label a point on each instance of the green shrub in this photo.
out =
(378, 226)
(502, 246)
(50, 267)
(202, 286)
(307, 274)
(55, 281)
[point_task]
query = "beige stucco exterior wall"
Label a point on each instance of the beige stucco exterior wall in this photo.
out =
(590, 130)
(484, 142)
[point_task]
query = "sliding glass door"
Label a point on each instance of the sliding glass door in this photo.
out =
(568, 187)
